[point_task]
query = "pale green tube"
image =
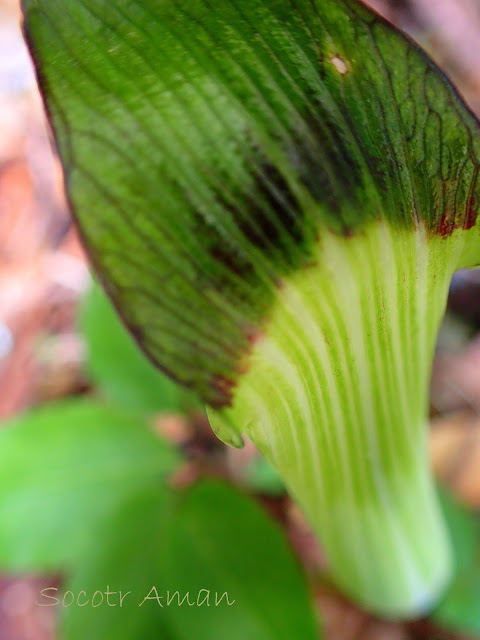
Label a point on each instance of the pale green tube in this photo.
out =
(336, 398)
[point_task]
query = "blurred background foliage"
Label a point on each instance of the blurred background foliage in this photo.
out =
(110, 476)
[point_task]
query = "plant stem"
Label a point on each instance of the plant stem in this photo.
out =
(336, 397)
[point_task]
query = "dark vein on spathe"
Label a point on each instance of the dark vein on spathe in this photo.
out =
(134, 164)
(239, 203)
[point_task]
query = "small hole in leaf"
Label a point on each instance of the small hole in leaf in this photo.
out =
(340, 65)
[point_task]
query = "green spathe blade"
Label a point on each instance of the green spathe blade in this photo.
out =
(207, 145)
(275, 196)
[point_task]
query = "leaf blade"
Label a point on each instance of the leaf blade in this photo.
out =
(197, 547)
(214, 531)
(62, 470)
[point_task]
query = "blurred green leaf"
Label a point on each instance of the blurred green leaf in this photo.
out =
(116, 364)
(215, 541)
(460, 608)
(64, 468)
(220, 541)
(126, 559)
(260, 476)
